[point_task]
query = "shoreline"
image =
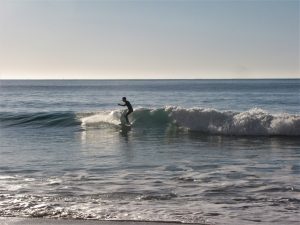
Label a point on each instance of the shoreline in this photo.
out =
(62, 221)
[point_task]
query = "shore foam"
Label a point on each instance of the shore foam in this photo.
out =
(38, 221)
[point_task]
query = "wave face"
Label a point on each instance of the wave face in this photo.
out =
(254, 122)
(43, 119)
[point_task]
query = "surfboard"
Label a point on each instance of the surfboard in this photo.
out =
(124, 128)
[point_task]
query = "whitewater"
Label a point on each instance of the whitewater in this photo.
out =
(198, 151)
(255, 122)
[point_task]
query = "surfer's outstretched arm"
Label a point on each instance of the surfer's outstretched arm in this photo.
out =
(121, 104)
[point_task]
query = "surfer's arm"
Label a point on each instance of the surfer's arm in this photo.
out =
(121, 104)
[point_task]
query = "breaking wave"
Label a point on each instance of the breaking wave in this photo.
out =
(255, 122)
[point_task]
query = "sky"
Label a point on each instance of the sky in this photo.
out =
(145, 39)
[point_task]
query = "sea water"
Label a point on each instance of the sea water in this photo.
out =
(199, 151)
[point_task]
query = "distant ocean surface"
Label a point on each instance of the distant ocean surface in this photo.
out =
(198, 151)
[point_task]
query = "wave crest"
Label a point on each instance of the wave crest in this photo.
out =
(252, 122)
(255, 122)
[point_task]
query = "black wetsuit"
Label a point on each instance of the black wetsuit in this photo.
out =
(130, 110)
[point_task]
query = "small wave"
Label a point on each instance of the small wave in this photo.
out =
(254, 122)
(158, 196)
(45, 119)
(141, 117)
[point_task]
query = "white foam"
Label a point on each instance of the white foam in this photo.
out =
(104, 117)
(206, 120)
(252, 122)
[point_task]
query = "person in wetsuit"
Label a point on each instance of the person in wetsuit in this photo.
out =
(129, 106)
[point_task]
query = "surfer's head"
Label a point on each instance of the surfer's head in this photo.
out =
(124, 99)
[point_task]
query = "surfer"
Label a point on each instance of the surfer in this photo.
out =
(129, 106)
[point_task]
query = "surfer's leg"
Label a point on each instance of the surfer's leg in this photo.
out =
(126, 117)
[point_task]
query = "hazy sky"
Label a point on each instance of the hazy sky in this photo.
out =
(149, 39)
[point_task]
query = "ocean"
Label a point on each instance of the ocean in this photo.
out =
(198, 151)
